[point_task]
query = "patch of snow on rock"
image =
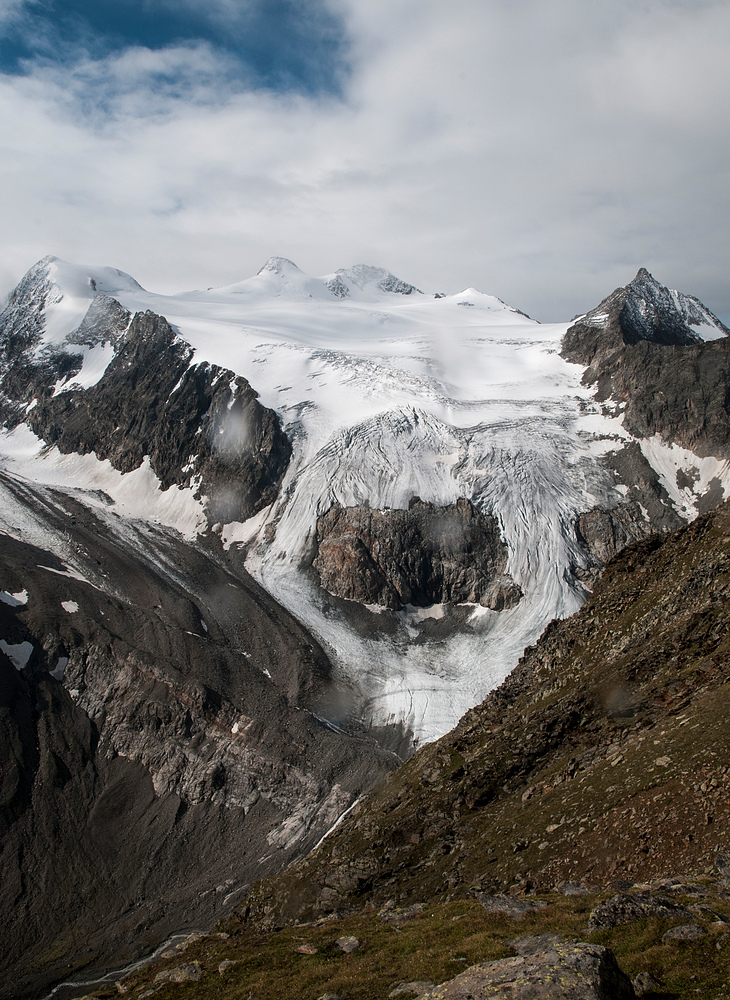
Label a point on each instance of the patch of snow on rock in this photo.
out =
(14, 600)
(18, 653)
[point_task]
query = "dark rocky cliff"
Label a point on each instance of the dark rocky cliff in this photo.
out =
(157, 750)
(422, 556)
(644, 354)
(197, 423)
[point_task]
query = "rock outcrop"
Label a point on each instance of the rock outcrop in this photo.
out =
(195, 423)
(421, 556)
(565, 970)
(644, 310)
(606, 532)
(643, 350)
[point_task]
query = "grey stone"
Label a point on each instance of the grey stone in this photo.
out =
(419, 987)
(565, 971)
(626, 907)
(722, 863)
(645, 983)
(400, 914)
(347, 944)
(685, 932)
(574, 889)
(189, 973)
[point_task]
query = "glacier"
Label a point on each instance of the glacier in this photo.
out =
(386, 393)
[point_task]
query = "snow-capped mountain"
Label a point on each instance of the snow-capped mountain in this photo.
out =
(384, 394)
(421, 482)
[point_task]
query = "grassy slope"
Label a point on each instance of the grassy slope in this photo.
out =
(604, 756)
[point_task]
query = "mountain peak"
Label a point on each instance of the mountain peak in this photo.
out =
(644, 309)
(279, 265)
(364, 278)
(651, 311)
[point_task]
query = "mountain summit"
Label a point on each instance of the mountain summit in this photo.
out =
(642, 310)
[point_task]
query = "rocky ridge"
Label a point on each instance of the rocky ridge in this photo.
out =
(197, 424)
(645, 351)
(158, 740)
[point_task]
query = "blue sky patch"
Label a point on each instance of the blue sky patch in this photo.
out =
(282, 45)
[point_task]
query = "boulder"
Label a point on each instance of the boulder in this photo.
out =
(685, 932)
(722, 863)
(564, 971)
(627, 907)
(190, 973)
(347, 944)
(645, 983)
(400, 914)
(406, 989)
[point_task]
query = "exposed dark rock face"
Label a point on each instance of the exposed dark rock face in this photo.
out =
(105, 322)
(156, 749)
(422, 556)
(197, 423)
(680, 393)
(647, 507)
(643, 352)
(191, 420)
(24, 370)
(643, 310)
(606, 532)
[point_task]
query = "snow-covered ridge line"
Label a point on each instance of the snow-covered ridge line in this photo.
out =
(386, 393)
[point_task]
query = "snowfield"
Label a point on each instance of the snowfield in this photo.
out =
(385, 395)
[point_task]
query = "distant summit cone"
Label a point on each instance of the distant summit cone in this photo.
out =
(643, 310)
(279, 265)
(361, 279)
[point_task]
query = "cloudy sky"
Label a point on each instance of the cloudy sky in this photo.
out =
(541, 150)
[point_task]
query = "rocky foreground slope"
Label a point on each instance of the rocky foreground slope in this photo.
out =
(606, 753)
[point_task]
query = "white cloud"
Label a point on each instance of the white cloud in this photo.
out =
(542, 152)
(10, 9)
